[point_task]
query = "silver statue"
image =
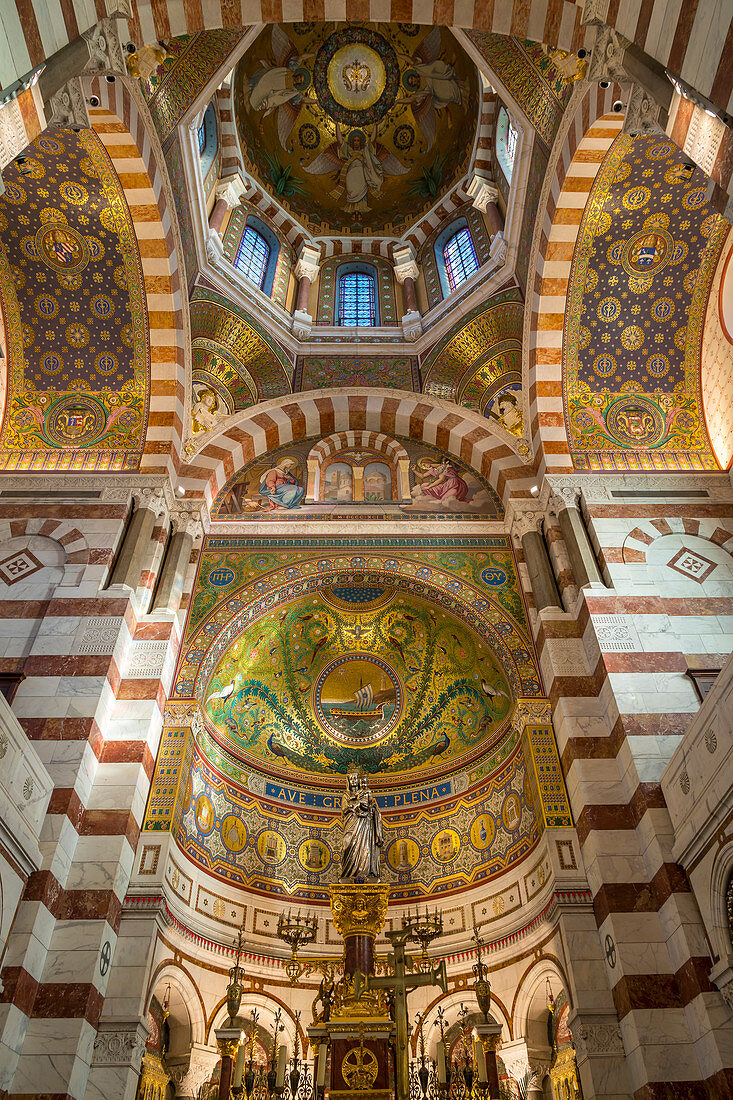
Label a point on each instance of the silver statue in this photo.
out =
(363, 835)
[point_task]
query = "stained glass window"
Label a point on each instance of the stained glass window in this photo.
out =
(357, 299)
(202, 138)
(252, 256)
(511, 142)
(460, 257)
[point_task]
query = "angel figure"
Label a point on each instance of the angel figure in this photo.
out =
(361, 161)
(279, 87)
(432, 84)
(206, 409)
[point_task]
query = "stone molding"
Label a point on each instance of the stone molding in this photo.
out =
(120, 1043)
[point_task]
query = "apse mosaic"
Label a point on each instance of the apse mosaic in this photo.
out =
(322, 687)
(73, 298)
(356, 126)
(310, 663)
(277, 849)
(399, 480)
(644, 260)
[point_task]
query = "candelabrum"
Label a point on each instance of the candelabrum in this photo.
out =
(236, 974)
(423, 928)
(482, 985)
(299, 1076)
(258, 1082)
(297, 932)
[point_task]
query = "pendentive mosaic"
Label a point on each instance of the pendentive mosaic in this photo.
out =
(645, 256)
(74, 304)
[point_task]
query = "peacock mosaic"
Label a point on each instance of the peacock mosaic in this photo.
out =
(644, 260)
(411, 658)
(73, 301)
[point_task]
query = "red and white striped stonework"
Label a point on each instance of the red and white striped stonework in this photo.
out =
(95, 722)
(615, 668)
(589, 133)
(422, 419)
(119, 125)
(693, 40)
(231, 160)
(342, 441)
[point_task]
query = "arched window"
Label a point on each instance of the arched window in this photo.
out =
(257, 253)
(252, 256)
(357, 296)
(460, 257)
(506, 143)
(455, 255)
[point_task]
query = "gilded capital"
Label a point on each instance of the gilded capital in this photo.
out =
(359, 909)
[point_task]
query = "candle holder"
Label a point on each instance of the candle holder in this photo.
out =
(236, 976)
(423, 929)
(297, 931)
(482, 985)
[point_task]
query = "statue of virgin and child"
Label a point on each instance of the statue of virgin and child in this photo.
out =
(363, 835)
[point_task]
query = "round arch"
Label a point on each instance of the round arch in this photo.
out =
(588, 129)
(120, 126)
(531, 988)
(267, 1006)
(187, 999)
(251, 433)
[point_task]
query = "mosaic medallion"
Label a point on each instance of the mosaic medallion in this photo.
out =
(61, 247)
(75, 421)
(356, 76)
(635, 422)
(647, 252)
(358, 699)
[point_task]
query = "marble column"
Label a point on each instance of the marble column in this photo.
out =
(306, 272)
(406, 272)
(489, 1034)
(541, 577)
(575, 536)
(136, 541)
(228, 194)
(227, 1040)
(175, 564)
(485, 196)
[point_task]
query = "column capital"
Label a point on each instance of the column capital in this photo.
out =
(228, 1040)
(523, 520)
(187, 521)
(154, 499)
(531, 712)
(595, 1034)
(230, 190)
(482, 190)
(308, 262)
(408, 270)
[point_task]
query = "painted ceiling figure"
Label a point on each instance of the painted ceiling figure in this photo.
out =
(280, 87)
(363, 835)
(434, 84)
(362, 163)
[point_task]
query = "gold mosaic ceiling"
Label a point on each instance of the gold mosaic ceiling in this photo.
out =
(356, 127)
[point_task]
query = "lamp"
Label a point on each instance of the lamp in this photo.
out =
(297, 932)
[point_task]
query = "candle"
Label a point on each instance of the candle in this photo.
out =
(442, 1074)
(322, 1056)
(282, 1057)
(239, 1065)
(480, 1062)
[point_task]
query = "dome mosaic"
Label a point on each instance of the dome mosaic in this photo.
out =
(356, 127)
